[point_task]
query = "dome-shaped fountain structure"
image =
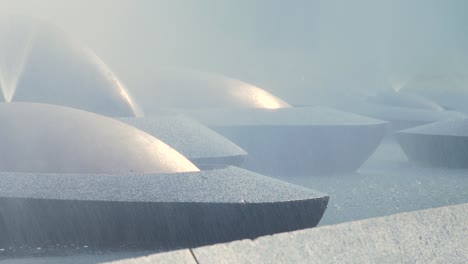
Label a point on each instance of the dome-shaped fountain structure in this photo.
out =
(298, 141)
(201, 145)
(443, 144)
(451, 92)
(70, 177)
(279, 139)
(40, 63)
(41, 138)
(193, 89)
(401, 110)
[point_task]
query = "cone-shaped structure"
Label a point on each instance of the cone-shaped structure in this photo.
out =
(201, 145)
(401, 114)
(442, 143)
(40, 63)
(193, 89)
(43, 138)
(304, 140)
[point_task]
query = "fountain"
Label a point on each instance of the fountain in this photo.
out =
(14, 51)
(40, 63)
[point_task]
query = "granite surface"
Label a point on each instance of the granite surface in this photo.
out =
(192, 139)
(156, 211)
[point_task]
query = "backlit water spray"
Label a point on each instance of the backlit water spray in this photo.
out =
(15, 48)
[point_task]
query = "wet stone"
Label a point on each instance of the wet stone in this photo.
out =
(158, 211)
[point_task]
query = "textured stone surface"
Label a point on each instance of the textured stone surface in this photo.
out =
(303, 140)
(430, 236)
(437, 235)
(154, 210)
(41, 63)
(386, 184)
(198, 143)
(443, 144)
(179, 256)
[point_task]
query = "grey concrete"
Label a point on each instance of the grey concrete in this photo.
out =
(443, 144)
(154, 210)
(179, 256)
(429, 236)
(386, 184)
(48, 66)
(437, 235)
(198, 143)
(294, 141)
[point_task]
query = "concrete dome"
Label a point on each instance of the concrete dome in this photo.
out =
(40, 63)
(192, 89)
(43, 138)
(201, 145)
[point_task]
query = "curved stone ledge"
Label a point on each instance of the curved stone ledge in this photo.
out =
(157, 211)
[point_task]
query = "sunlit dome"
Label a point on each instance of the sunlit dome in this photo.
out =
(41, 63)
(55, 139)
(198, 143)
(443, 143)
(193, 89)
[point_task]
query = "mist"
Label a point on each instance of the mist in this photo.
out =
(293, 50)
(136, 125)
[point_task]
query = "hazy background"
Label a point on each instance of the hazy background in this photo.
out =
(290, 47)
